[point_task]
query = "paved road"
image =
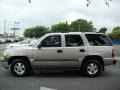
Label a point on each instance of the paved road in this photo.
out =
(70, 80)
(59, 80)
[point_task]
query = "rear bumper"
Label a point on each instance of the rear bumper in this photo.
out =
(109, 61)
(114, 62)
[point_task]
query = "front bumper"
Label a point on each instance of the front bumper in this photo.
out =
(114, 62)
(5, 64)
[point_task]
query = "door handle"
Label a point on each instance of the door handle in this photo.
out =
(59, 51)
(82, 50)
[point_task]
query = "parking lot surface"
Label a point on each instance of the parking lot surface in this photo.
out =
(62, 80)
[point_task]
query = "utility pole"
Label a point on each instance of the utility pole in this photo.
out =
(4, 27)
(15, 28)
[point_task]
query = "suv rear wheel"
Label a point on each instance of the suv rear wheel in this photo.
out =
(19, 68)
(92, 68)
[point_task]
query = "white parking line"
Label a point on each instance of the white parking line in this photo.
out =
(44, 88)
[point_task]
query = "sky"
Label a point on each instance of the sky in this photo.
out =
(49, 12)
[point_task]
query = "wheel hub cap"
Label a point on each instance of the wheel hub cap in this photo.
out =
(19, 68)
(92, 68)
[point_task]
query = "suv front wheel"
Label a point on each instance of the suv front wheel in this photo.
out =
(92, 68)
(19, 68)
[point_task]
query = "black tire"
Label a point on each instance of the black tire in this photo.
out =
(14, 67)
(93, 71)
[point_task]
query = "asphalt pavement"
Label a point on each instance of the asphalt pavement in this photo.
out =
(69, 80)
(62, 80)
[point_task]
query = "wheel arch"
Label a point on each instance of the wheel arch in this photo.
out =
(96, 57)
(11, 59)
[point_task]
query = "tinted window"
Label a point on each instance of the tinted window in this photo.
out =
(52, 41)
(73, 40)
(98, 40)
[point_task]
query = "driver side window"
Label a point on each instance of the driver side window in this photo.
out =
(52, 41)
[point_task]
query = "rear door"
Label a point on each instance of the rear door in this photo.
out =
(74, 50)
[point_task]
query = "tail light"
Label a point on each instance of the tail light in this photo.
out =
(113, 53)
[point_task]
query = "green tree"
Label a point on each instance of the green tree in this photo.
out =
(61, 27)
(36, 32)
(103, 30)
(116, 28)
(115, 34)
(82, 26)
(110, 35)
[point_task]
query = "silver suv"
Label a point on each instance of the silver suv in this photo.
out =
(89, 52)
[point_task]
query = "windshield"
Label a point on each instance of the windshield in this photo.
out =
(25, 41)
(33, 42)
(37, 41)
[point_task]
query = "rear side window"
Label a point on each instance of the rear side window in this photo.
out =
(98, 40)
(73, 40)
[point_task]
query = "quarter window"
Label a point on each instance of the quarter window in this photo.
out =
(98, 40)
(73, 40)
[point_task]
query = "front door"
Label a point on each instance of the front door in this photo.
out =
(50, 53)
